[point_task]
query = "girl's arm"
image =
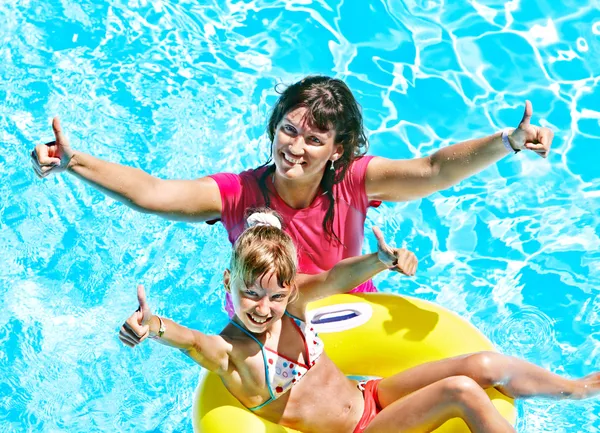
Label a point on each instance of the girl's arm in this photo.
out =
(210, 351)
(192, 200)
(353, 271)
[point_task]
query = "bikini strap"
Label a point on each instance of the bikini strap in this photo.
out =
(292, 316)
(262, 350)
(248, 334)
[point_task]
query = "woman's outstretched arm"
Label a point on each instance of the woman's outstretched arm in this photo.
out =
(195, 200)
(409, 179)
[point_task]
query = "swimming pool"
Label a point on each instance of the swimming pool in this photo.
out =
(181, 90)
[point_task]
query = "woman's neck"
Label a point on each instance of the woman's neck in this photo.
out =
(295, 193)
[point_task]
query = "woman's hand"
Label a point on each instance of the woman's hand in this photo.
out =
(396, 259)
(136, 329)
(52, 157)
(528, 136)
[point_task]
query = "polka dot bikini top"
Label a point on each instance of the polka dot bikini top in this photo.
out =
(282, 373)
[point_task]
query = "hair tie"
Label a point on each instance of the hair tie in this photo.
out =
(263, 219)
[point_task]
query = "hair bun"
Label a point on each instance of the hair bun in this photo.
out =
(263, 219)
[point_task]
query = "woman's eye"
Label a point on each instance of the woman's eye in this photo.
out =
(289, 128)
(251, 293)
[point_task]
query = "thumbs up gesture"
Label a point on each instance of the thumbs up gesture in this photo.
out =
(396, 259)
(136, 329)
(52, 157)
(531, 137)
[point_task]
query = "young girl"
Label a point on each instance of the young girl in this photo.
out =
(269, 330)
(317, 178)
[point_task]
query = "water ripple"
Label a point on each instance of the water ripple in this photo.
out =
(526, 331)
(182, 89)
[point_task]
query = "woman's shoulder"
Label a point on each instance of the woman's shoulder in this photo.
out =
(249, 174)
(358, 166)
(254, 174)
(238, 192)
(352, 187)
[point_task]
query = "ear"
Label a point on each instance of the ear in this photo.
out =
(227, 280)
(337, 153)
(294, 293)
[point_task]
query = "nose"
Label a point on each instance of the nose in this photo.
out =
(296, 146)
(263, 306)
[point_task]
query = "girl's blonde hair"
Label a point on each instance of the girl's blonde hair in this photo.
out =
(262, 249)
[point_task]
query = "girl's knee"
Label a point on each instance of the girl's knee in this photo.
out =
(487, 368)
(462, 389)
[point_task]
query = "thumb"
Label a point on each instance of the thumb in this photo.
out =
(58, 133)
(379, 236)
(141, 294)
(526, 115)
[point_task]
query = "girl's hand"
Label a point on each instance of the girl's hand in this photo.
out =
(52, 157)
(136, 329)
(531, 137)
(396, 259)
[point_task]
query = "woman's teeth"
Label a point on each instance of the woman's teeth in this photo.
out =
(291, 160)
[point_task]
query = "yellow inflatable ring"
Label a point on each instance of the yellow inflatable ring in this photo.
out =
(365, 335)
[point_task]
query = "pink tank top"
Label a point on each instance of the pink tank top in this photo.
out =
(316, 252)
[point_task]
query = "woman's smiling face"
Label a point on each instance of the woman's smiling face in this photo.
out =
(300, 150)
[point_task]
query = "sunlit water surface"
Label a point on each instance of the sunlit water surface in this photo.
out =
(183, 89)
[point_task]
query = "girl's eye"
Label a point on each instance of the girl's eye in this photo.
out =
(289, 128)
(251, 293)
(278, 297)
(315, 140)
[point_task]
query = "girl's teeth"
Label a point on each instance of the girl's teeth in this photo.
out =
(256, 319)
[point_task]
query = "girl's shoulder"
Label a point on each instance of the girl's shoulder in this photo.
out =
(241, 343)
(297, 310)
(246, 360)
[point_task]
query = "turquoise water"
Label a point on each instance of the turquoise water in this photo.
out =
(181, 90)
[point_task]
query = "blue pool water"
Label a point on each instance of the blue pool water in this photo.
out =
(183, 89)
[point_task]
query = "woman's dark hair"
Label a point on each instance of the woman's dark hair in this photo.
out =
(330, 105)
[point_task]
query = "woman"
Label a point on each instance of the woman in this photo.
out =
(273, 362)
(317, 179)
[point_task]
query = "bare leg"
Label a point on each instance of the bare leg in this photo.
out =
(512, 376)
(430, 407)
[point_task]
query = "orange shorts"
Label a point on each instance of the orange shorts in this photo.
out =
(372, 406)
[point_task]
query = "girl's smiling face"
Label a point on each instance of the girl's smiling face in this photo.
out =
(260, 304)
